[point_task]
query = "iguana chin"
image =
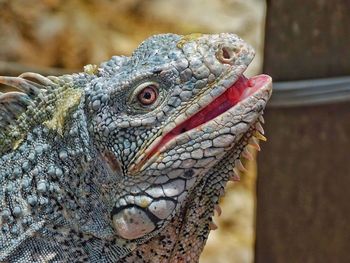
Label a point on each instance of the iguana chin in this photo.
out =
(126, 161)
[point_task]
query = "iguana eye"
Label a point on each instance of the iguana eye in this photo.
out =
(148, 94)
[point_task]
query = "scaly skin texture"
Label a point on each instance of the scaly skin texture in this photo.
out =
(84, 173)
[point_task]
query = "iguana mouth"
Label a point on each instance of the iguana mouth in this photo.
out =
(241, 89)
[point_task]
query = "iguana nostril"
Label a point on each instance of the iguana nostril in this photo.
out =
(227, 54)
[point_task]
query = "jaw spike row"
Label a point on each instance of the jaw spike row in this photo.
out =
(261, 119)
(235, 177)
(246, 154)
(259, 136)
(254, 143)
(218, 210)
(240, 166)
(259, 128)
(212, 226)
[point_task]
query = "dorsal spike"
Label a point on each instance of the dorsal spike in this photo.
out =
(14, 97)
(53, 79)
(12, 104)
(13, 109)
(29, 87)
(5, 116)
(39, 78)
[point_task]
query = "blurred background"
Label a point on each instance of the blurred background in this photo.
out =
(297, 208)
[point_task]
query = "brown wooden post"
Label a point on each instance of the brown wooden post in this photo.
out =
(303, 204)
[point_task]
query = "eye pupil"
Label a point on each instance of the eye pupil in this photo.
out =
(148, 95)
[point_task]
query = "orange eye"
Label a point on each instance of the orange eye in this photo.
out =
(148, 95)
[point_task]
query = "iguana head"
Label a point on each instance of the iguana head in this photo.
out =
(170, 122)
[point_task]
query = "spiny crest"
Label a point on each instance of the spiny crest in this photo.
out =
(35, 103)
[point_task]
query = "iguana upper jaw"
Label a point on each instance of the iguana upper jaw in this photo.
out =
(242, 89)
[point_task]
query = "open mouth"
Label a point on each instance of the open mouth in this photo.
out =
(240, 90)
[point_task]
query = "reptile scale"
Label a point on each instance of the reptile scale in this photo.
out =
(126, 161)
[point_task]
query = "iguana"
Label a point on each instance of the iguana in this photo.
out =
(126, 161)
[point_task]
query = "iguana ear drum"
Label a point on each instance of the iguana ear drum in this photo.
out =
(112, 161)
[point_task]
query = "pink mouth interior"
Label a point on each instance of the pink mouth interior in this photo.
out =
(240, 90)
